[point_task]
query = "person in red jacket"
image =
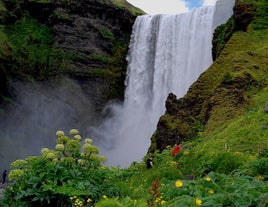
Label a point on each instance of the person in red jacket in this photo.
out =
(176, 150)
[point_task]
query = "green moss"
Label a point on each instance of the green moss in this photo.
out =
(116, 68)
(259, 9)
(122, 4)
(221, 36)
(106, 33)
(97, 72)
(3, 37)
(261, 15)
(101, 57)
(32, 50)
(2, 7)
(3, 11)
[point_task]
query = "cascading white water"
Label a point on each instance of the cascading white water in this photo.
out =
(167, 54)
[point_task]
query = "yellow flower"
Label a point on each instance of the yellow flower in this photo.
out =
(178, 184)
(211, 192)
(198, 202)
(173, 163)
(105, 197)
(163, 202)
(208, 179)
(157, 200)
(260, 177)
(89, 200)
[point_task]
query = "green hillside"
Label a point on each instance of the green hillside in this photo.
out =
(225, 163)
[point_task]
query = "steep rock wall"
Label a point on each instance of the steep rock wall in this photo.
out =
(92, 34)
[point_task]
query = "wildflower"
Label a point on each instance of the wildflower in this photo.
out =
(50, 155)
(72, 146)
(81, 162)
(178, 184)
(88, 149)
(16, 174)
(59, 147)
(208, 179)
(157, 200)
(211, 192)
(89, 200)
(18, 164)
(73, 197)
(77, 137)
(55, 160)
(73, 131)
(173, 163)
(198, 202)
(60, 133)
(62, 140)
(88, 140)
(186, 152)
(44, 151)
(105, 197)
(260, 177)
(78, 203)
(163, 202)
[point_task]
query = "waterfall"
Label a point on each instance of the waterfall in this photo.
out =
(167, 53)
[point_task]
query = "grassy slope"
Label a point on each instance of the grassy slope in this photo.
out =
(246, 51)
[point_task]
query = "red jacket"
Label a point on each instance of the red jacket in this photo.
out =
(176, 150)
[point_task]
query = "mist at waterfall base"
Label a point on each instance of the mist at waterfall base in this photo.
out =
(167, 53)
(38, 111)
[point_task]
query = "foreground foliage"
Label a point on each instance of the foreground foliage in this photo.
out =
(72, 169)
(73, 175)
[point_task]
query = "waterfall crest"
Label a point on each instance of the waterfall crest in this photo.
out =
(167, 53)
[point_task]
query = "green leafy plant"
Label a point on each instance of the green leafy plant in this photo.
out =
(55, 177)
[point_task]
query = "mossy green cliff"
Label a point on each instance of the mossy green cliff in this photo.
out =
(86, 40)
(228, 87)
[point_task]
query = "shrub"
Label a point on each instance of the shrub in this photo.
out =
(59, 177)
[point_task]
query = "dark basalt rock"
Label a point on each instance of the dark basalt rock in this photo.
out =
(90, 32)
(243, 15)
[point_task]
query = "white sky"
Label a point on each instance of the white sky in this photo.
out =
(168, 6)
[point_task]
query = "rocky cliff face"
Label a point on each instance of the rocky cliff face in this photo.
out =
(222, 92)
(41, 96)
(93, 35)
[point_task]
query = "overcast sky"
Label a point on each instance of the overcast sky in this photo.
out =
(169, 6)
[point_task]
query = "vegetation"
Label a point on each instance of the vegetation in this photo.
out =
(73, 175)
(32, 49)
(115, 73)
(122, 4)
(72, 170)
(224, 165)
